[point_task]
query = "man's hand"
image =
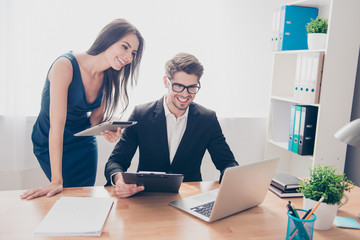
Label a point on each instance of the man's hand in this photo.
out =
(124, 190)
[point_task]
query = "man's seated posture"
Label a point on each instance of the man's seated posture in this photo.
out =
(172, 133)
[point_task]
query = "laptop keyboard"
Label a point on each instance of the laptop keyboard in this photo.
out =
(204, 209)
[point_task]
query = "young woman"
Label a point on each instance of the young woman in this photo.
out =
(82, 90)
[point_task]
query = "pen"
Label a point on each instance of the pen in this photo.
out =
(291, 210)
(296, 215)
(293, 206)
(299, 226)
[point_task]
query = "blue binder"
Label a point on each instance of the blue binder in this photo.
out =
(292, 33)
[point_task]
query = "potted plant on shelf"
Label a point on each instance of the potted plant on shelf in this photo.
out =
(324, 182)
(317, 33)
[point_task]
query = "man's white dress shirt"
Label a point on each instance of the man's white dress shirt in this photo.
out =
(175, 129)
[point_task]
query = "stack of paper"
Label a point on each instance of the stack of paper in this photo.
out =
(75, 216)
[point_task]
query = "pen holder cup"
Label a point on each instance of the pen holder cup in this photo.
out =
(299, 228)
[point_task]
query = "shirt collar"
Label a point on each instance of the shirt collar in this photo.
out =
(167, 111)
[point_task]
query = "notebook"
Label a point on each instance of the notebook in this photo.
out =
(75, 216)
(242, 187)
(285, 194)
(285, 181)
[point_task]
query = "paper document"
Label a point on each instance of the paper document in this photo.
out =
(75, 216)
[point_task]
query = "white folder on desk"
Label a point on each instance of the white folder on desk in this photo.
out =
(75, 216)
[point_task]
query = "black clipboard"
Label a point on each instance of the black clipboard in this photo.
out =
(111, 126)
(155, 181)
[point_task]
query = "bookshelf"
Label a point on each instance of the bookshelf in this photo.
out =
(338, 81)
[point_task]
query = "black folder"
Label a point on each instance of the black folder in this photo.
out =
(307, 130)
(155, 181)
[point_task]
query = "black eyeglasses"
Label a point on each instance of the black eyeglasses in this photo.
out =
(177, 87)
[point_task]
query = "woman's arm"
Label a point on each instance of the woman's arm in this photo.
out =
(97, 116)
(60, 77)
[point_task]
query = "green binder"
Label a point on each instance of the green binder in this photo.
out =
(296, 134)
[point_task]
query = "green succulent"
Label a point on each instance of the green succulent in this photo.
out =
(319, 25)
(324, 182)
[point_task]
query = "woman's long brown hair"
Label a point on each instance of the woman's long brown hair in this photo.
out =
(116, 82)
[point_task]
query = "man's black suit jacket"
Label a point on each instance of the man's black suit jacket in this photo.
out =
(203, 132)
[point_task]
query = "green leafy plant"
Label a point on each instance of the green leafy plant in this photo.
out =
(325, 182)
(319, 25)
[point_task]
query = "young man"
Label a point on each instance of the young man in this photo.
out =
(172, 133)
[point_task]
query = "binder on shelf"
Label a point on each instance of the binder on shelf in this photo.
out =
(313, 96)
(281, 27)
(292, 31)
(307, 130)
(275, 28)
(308, 75)
(291, 127)
(303, 75)
(307, 79)
(297, 121)
(297, 77)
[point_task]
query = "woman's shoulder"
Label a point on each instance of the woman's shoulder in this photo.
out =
(61, 69)
(70, 59)
(62, 64)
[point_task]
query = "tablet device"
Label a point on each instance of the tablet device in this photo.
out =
(112, 126)
(155, 181)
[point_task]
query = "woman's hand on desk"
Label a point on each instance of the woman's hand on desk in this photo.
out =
(124, 190)
(50, 190)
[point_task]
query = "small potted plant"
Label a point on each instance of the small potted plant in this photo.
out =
(324, 182)
(317, 33)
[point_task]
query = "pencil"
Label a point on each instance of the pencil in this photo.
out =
(314, 208)
(307, 213)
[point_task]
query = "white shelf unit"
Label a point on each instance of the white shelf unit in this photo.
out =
(337, 89)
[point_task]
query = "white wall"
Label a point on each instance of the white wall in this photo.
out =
(230, 37)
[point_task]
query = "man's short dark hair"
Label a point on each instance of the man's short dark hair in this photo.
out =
(184, 62)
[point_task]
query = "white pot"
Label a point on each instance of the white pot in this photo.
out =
(317, 41)
(325, 214)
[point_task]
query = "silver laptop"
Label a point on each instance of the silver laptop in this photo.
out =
(242, 187)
